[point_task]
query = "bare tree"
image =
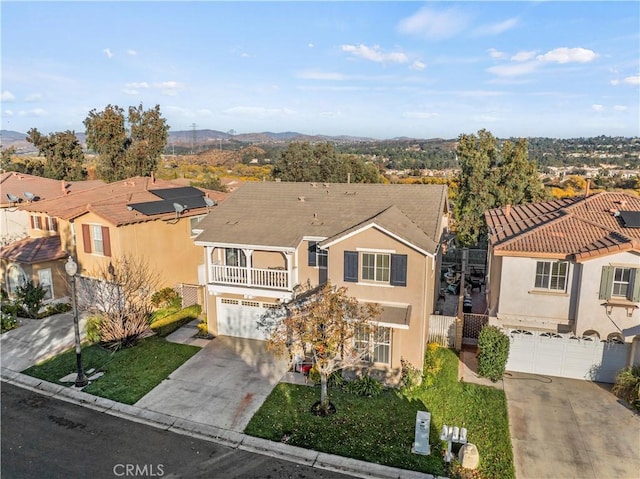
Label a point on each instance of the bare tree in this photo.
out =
(322, 323)
(120, 294)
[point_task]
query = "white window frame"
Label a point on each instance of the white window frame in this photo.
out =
(548, 276)
(97, 242)
(51, 221)
(379, 270)
(322, 257)
(620, 286)
(46, 281)
(375, 343)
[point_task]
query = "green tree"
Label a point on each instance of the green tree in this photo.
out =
(491, 175)
(62, 152)
(302, 161)
(125, 152)
(322, 322)
(6, 158)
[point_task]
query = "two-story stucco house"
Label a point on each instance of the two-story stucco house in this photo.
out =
(136, 217)
(566, 274)
(382, 242)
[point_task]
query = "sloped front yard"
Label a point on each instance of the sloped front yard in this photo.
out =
(381, 429)
(129, 373)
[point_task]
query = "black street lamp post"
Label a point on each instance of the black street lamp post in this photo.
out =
(71, 267)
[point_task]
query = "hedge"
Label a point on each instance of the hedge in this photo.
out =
(167, 325)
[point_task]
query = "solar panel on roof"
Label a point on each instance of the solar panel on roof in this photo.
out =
(174, 193)
(188, 201)
(631, 218)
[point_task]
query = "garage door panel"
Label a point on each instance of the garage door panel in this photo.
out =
(238, 320)
(565, 356)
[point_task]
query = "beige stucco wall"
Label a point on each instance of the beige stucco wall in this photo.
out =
(418, 293)
(591, 315)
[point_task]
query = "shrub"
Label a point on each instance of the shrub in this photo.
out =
(365, 386)
(30, 296)
(494, 352)
(93, 329)
(627, 386)
(167, 325)
(8, 321)
(54, 308)
(410, 376)
(166, 298)
(432, 363)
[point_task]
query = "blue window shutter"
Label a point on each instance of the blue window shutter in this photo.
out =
(606, 282)
(313, 246)
(635, 285)
(351, 266)
(398, 269)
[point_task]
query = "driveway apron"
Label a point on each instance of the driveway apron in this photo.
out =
(570, 428)
(223, 385)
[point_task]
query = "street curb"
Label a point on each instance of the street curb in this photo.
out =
(205, 432)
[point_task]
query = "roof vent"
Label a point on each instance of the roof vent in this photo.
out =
(301, 199)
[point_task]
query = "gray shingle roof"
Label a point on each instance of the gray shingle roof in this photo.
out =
(280, 214)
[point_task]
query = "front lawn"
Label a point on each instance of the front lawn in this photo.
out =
(381, 429)
(129, 373)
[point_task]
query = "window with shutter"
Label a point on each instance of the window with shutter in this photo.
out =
(398, 269)
(86, 238)
(620, 282)
(351, 266)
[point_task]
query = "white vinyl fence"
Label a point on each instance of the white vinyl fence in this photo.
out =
(442, 330)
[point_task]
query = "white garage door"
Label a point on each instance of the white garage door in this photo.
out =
(239, 318)
(565, 355)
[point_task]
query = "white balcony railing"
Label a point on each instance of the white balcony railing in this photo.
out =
(241, 276)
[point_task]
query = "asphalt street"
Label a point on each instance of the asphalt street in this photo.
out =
(44, 437)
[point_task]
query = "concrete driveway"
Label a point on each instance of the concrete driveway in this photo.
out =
(571, 429)
(223, 385)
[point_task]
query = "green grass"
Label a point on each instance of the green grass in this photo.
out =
(381, 429)
(129, 373)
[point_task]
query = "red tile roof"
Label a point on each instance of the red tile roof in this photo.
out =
(110, 201)
(34, 250)
(576, 227)
(45, 188)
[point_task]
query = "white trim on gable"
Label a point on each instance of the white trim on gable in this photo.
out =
(385, 231)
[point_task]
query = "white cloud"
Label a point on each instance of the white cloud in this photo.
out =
(568, 55)
(107, 53)
(620, 108)
(523, 56)
(375, 54)
(170, 84)
(418, 65)
(432, 24)
(129, 91)
(633, 80)
(330, 114)
(597, 107)
(33, 97)
(496, 53)
(310, 45)
(142, 84)
(615, 82)
(38, 112)
(419, 115)
(7, 96)
(513, 70)
(7, 112)
(496, 28)
(256, 112)
(132, 53)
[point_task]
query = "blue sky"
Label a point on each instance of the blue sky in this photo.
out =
(375, 69)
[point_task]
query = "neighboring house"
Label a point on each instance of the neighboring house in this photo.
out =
(382, 242)
(568, 269)
(139, 217)
(18, 188)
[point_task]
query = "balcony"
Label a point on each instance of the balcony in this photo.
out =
(270, 278)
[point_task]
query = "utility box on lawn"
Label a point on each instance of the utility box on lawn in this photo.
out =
(423, 424)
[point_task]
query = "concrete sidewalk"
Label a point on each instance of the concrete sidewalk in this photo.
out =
(35, 340)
